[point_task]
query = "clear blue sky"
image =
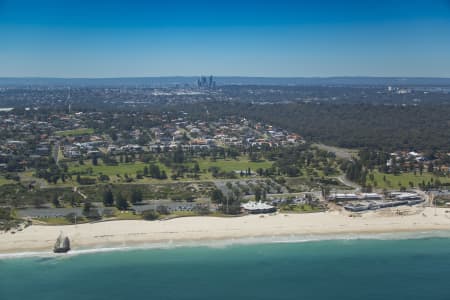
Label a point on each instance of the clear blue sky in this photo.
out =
(111, 38)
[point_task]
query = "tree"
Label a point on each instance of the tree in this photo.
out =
(71, 218)
(108, 198)
(87, 207)
(420, 168)
(155, 172)
(325, 191)
(136, 196)
(6, 214)
(178, 155)
(217, 196)
(150, 214)
(38, 201)
(121, 202)
(196, 168)
(55, 200)
(257, 194)
(73, 201)
(163, 210)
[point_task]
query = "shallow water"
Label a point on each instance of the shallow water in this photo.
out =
(340, 269)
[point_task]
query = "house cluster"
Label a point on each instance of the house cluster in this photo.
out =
(88, 149)
(24, 141)
(180, 132)
(34, 136)
(419, 162)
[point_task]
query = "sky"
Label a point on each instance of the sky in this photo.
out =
(280, 38)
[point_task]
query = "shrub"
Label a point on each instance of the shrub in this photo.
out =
(150, 215)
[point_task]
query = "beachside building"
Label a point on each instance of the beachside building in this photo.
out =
(258, 207)
(344, 197)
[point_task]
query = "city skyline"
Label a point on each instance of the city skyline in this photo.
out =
(275, 39)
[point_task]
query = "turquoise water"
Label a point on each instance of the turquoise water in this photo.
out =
(354, 269)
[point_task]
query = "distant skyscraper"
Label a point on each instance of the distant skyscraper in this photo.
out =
(206, 82)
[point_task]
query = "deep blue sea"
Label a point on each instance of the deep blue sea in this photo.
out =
(338, 269)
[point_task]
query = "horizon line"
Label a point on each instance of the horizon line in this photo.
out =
(224, 76)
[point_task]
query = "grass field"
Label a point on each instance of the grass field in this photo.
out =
(75, 132)
(87, 169)
(122, 168)
(60, 221)
(127, 215)
(4, 181)
(403, 180)
(302, 208)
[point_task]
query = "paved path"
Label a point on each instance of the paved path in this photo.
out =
(349, 183)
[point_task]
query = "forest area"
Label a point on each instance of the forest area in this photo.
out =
(382, 127)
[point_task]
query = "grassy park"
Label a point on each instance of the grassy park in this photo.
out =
(130, 169)
(391, 181)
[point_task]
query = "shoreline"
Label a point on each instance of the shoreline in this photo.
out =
(223, 243)
(205, 231)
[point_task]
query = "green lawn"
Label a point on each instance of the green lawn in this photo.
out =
(124, 168)
(4, 181)
(395, 181)
(302, 208)
(61, 221)
(127, 215)
(87, 169)
(75, 132)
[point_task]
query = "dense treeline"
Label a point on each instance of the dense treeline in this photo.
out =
(388, 127)
(346, 117)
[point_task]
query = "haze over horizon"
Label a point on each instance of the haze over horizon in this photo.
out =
(104, 39)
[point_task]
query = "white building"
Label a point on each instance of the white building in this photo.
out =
(258, 207)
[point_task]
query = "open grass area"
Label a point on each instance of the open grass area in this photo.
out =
(60, 221)
(4, 181)
(228, 165)
(75, 132)
(127, 215)
(122, 168)
(300, 208)
(391, 181)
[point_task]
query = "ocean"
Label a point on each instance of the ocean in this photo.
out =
(329, 269)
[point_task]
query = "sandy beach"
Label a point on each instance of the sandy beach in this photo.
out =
(129, 233)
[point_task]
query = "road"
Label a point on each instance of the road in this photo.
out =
(55, 152)
(340, 152)
(349, 183)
